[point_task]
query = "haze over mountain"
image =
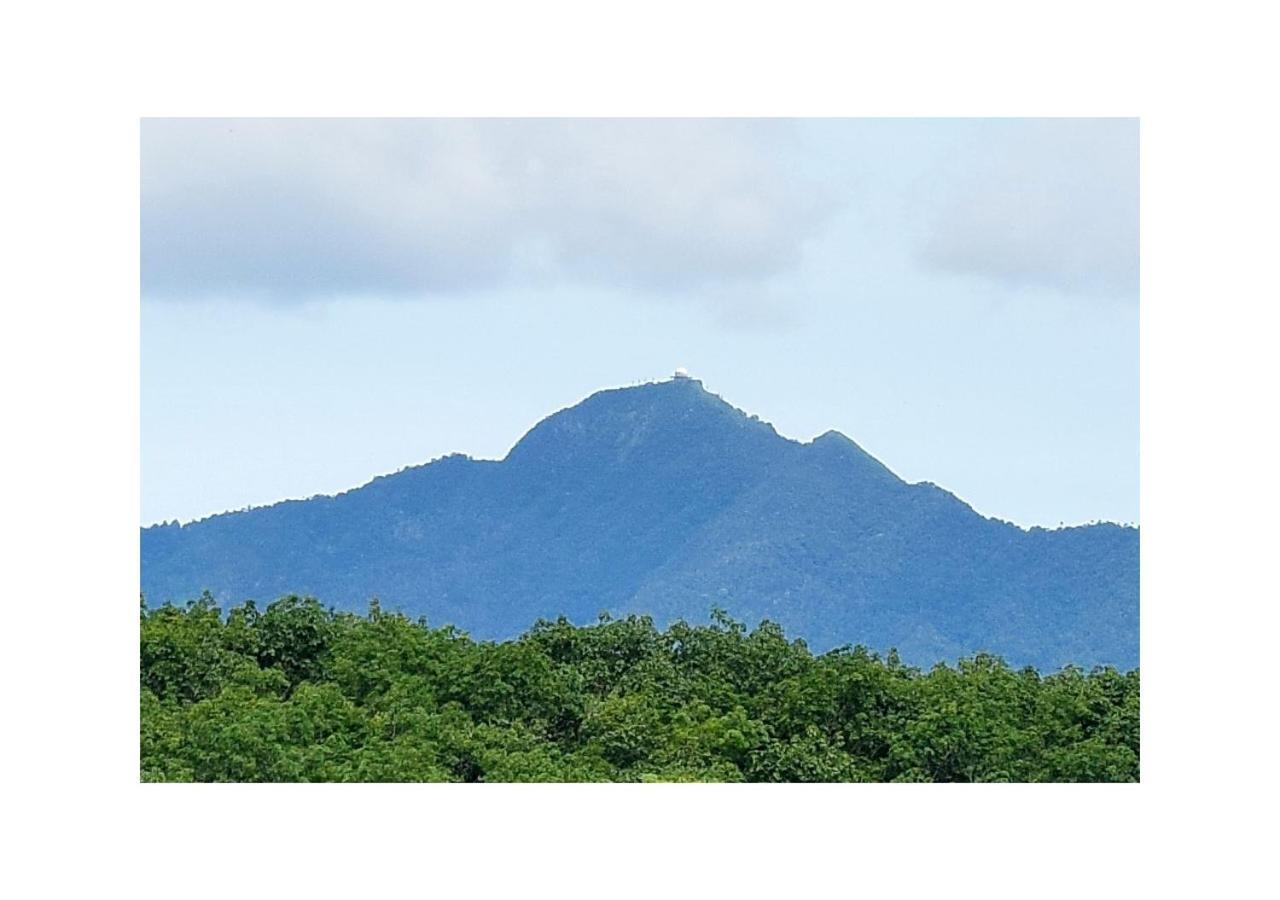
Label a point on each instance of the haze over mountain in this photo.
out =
(664, 499)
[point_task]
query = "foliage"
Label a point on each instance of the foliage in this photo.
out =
(299, 692)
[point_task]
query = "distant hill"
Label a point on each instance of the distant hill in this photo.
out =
(664, 499)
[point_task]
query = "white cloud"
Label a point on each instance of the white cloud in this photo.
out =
(298, 209)
(1049, 203)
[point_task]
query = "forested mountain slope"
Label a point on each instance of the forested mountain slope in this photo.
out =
(663, 499)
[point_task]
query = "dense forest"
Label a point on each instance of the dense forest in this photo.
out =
(298, 692)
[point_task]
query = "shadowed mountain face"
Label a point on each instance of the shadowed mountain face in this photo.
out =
(664, 499)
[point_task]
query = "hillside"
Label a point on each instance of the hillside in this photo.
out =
(663, 499)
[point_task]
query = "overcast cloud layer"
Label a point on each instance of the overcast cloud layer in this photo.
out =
(293, 209)
(1046, 203)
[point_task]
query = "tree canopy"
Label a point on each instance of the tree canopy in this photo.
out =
(299, 692)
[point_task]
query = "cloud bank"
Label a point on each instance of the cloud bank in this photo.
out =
(1047, 203)
(287, 210)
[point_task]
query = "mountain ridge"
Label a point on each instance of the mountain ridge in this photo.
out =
(828, 435)
(664, 498)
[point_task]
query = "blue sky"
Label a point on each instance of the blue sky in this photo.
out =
(326, 300)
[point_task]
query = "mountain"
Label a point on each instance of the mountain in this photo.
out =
(664, 499)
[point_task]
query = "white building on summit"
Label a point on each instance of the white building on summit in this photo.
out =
(681, 372)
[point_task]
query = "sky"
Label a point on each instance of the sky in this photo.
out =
(328, 300)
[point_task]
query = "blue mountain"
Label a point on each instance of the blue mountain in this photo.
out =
(664, 499)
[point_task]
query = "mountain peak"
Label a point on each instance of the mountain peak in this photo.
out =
(846, 453)
(676, 413)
